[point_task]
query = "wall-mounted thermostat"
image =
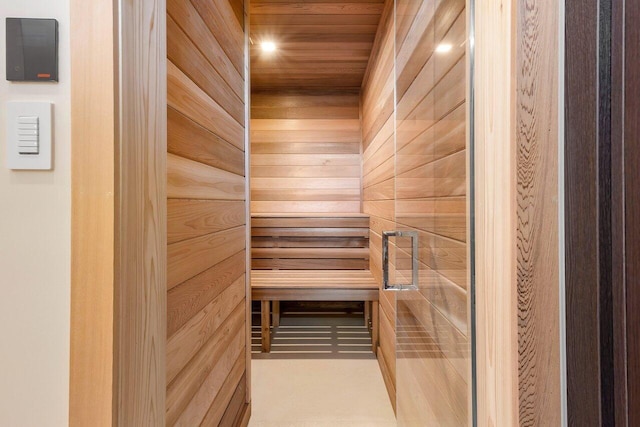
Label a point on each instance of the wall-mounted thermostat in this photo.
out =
(32, 50)
(29, 135)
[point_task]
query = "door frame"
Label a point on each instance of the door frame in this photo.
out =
(118, 314)
(118, 224)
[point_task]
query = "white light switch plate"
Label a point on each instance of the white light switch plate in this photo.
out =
(43, 111)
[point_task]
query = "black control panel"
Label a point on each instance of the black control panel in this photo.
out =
(32, 50)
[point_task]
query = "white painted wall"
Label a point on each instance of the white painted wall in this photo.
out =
(35, 211)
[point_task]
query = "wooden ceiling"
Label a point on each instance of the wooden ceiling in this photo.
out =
(323, 44)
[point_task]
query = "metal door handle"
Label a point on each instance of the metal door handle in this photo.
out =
(414, 260)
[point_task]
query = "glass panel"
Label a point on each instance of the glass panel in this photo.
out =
(431, 199)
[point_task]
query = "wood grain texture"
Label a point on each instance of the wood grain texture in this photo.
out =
(190, 338)
(207, 284)
(188, 258)
(185, 55)
(302, 160)
(321, 45)
(631, 207)
(187, 299)
(233, 415)
(220, 18)
(187, 179)
(187, 219)
(189, 140)
(331, 243)
(537, 202)
(142, 215)
(218, 386)
(187, 383)
(379, 178)
(118, 191)
(601, 166)
(193, 24)
(311, 285)
(185, 96)
(91, 388)
(495, 175)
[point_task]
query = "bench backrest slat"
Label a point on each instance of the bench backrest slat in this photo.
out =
(331, 242)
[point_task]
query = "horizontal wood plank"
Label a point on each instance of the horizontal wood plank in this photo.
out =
(315, 263)
(187, 299)
(300, 221)
(187, 179)
(229, 368)
(186, 138)
(308, 242)
(314, 294)
(187, 219)
(182, 52)
(362, 253)
(187, 341)
(188, 18)
(219, 16)
(310, 231)
(321, 148)
(278, 160)
(185, 386)
(186, 97)
(188, 258)
(306, 206)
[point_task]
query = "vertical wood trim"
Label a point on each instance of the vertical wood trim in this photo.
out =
(93, 111)
(495, 203)
(581, 202)
(537, 213)
(619, 291)
(118, 284)
(141, 233)
(631, 206)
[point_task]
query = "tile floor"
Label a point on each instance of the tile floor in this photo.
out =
(320, 373)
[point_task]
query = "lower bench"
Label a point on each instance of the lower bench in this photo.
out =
(274, 286)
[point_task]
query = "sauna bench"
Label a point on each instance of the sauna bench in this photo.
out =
(311, 257)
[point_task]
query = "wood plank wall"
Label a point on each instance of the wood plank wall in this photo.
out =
(206, 285)
(305, 152)
(378, 178)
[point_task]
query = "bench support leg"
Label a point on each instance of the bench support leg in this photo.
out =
(276, 314)
(367, 313)
(265, 326)
(374, 326)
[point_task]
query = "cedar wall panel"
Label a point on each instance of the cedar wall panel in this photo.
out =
(378, 178)
(206, 292)
(305, 152)
(414, 178)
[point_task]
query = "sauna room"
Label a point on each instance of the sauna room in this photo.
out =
(317, 205)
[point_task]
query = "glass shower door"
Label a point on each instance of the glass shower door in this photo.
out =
(429, 251)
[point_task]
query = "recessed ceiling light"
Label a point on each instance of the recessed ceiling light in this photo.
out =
(268, 46)
(444, 48)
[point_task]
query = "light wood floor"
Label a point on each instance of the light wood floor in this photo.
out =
(320, 373)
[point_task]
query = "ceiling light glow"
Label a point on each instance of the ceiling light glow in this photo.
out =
(444, 48)
(268, 46)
